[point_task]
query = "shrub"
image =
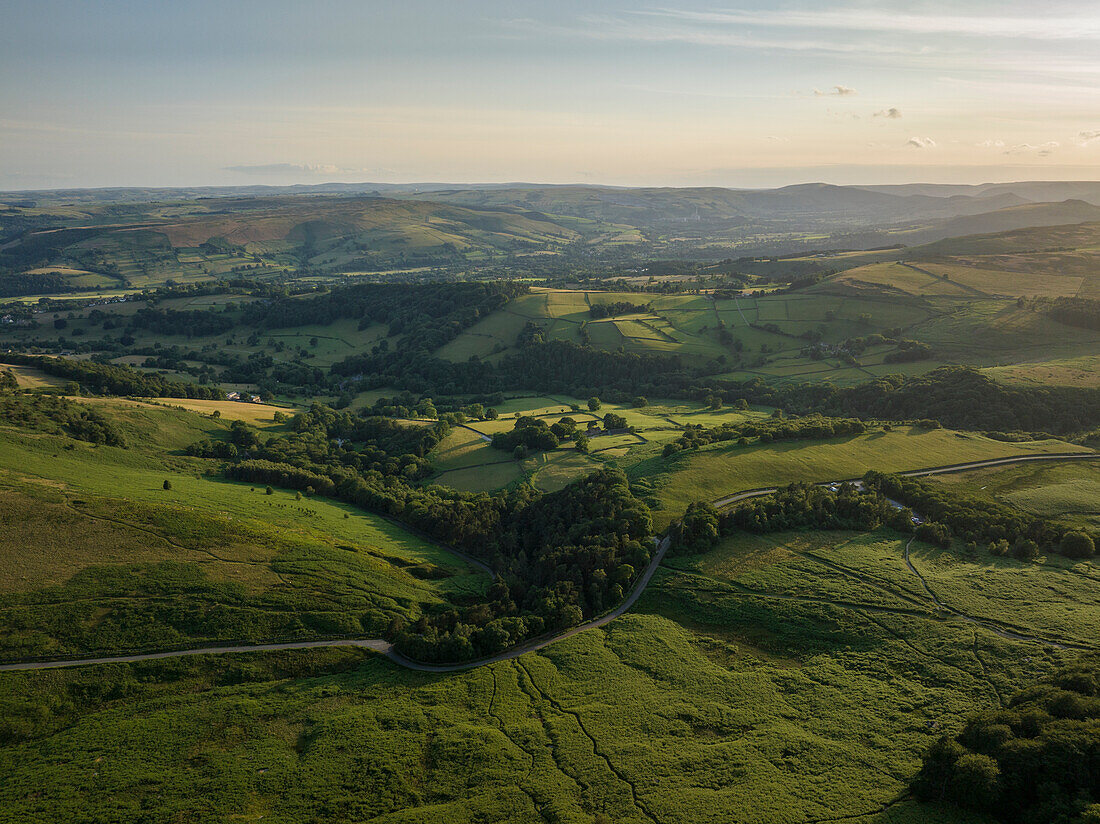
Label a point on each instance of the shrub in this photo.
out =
(1077, 545)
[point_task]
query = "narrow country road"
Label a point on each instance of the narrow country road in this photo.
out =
(386, 648)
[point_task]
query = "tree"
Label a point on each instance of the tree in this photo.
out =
(520, 452)
(269, 491)
(1025, 550)
(640, 402)
(1077, 545)
(714, 402)
(594, 404)
(613, 421)
(582, 443)
(167, 484)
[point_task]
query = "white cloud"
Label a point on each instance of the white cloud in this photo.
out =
(1087, 137)
(1042, 149)
(865, 20)
(836, 91)
(776, 139)
(991, 144)
(921, 143)
(291, 168)
(890, 114)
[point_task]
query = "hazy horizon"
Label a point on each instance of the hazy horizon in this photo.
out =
(743, 95)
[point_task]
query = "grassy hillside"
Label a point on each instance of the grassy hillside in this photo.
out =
(95, 554)
(738, 690)
(1068, 492)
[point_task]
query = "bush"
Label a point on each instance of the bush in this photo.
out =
(1077, 545)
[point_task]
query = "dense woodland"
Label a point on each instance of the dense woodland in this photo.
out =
(796, 506)
(1036, 761)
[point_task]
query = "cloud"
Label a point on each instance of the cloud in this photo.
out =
(889, 114)
(1042, 150)
(291, 169)
(921, 143)
(836, 91)
(777, 139)
(991, 144)
(1087, 137)
(1078, 27)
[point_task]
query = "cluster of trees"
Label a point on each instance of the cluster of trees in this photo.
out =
(562, 558)
(201, 323)
(529, 434)
(772, 429)
(17, 284)
(57, 415)
(1004, 529)
(559, 557)
(619, 307)
(909, 351)
(797, 506)
(112, 379)
(426, 315)
(325, 437)
(1082, 312)
(1036, 760)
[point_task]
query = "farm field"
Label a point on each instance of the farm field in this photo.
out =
(722, 469)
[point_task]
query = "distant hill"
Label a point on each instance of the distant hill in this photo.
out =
(1003, 220)
(330, 233)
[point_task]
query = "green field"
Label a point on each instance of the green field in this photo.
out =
(1067, 492)
(142, 566)
(737, 691)
(722, 469)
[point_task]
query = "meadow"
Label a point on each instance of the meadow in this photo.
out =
(1067, 492)
(724, 468)
(96, 554)
(737, 690)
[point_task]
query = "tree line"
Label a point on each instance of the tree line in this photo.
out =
(1004, 529)
(766, 431)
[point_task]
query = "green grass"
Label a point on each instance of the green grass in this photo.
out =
(725, 468)
(737, 690)
(96, 554)
(1069, 492)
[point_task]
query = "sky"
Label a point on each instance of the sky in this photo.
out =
(735, 93)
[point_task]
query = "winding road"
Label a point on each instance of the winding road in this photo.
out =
(386, 648)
